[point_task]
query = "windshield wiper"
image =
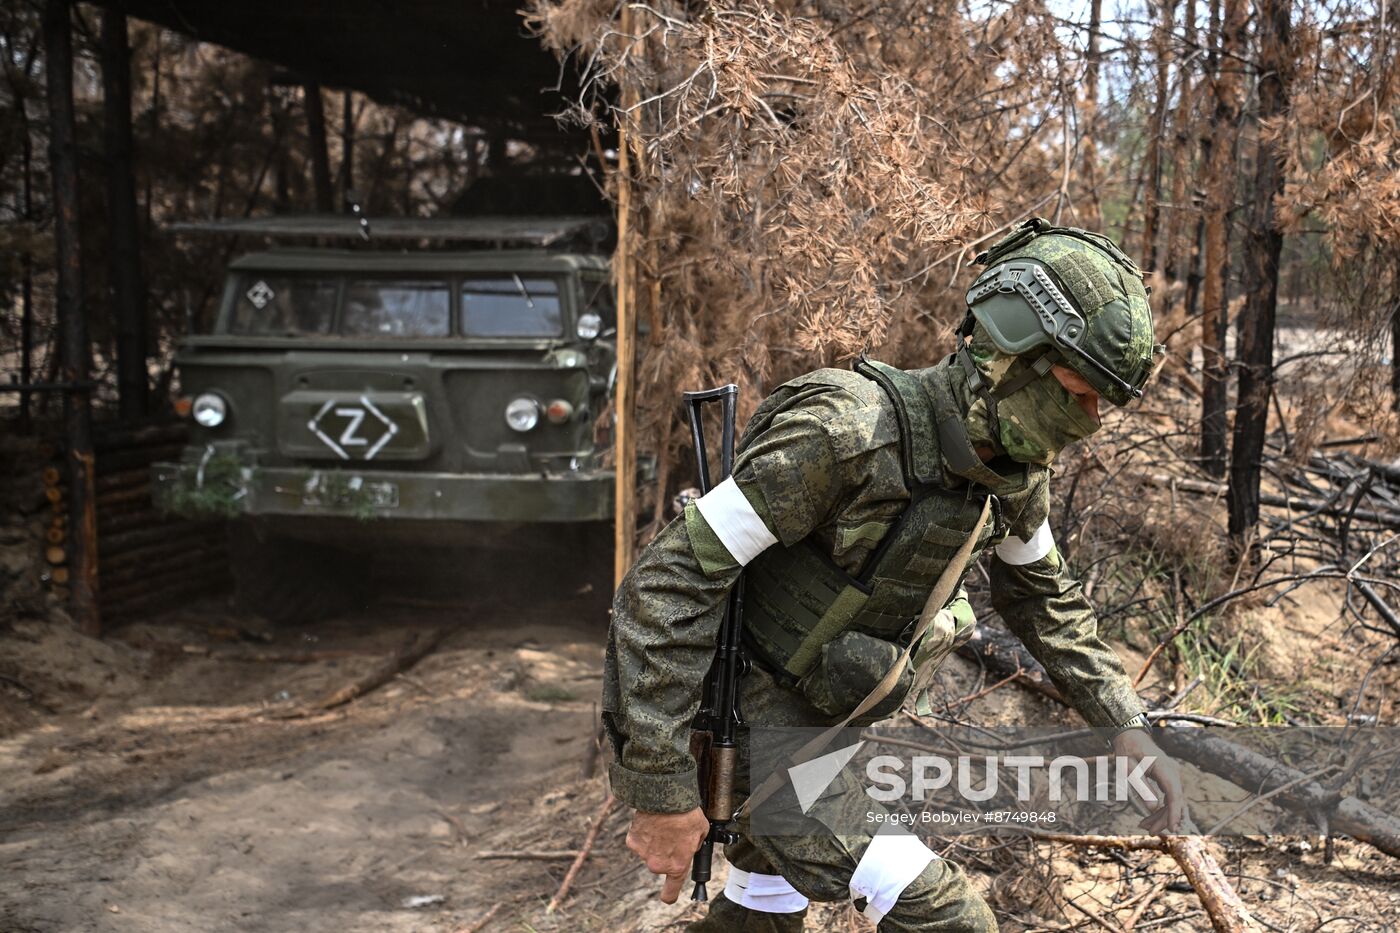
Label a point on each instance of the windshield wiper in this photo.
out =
(520, 284)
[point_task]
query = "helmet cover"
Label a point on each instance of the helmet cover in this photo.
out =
(1075, 292)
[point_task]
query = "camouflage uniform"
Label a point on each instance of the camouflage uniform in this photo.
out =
(821, 460)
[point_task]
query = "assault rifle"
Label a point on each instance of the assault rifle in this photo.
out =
(714, 732)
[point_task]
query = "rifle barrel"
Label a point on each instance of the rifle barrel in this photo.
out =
(719, 697)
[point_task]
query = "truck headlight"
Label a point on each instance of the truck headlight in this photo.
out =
(523, 414)
(209, 410)
(590, 326)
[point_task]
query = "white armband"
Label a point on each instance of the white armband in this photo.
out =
(768, 894)
(733, 520)
(1018, 551)
(890, 864)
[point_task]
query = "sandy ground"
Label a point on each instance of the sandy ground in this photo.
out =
(148, 782)
(173, 802)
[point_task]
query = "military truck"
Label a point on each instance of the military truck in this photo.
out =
(349, 402)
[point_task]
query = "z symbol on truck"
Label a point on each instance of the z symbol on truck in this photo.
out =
(351, 437)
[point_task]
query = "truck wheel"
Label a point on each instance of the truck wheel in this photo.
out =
(288, 581)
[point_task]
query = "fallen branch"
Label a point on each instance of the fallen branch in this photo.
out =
(1391, 472)
(1350, 441)
(1260, 774)
(1227, 912)
(986, 690)
(1146, 901)
(1171, 919)
(1380, 605)
(1314, 506)
(1229, 760)
(1319, 574)
(582, 856)
(1093, 915)
(1254, 801)
(530, 855)
(410, 654)
(480, 925)
(402, 660)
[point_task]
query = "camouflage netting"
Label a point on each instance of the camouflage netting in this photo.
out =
(809, 180)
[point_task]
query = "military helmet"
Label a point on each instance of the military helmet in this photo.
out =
(1065, 295)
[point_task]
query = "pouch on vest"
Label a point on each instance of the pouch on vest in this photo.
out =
(849, 667)
(952, 628)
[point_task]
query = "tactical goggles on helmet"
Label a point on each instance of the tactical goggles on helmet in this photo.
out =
(1022, 308)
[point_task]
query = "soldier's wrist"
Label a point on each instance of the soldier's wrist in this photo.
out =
(1138, 721)
(677, 792)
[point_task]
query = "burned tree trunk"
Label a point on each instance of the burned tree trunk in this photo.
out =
(1089, 145)
(347, 148)
(1263, 244)
(281, 167)
(1161, 39)
(1178, 248)
(26, 262)
(1220, 195)
(381, 170)
(17, 73)
(1193, 260)
(152, 127)
(127, 288)
(1395, 356)
(320, 155)
(1203, 143)
(73, 346)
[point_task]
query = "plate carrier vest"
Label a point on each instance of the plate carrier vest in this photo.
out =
(796, 599)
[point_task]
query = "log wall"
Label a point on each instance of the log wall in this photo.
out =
(147, 561)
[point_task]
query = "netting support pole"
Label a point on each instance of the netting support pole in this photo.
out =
(71, 317)
(624, 404)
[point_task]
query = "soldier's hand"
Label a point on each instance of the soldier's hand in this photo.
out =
(1136, 745)
(667, 843)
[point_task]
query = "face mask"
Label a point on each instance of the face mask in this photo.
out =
(1033, 424)
(1040, 420)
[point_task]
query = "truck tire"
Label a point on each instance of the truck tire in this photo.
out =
(289, 582)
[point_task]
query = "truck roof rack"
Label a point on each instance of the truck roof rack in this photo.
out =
(531, 231)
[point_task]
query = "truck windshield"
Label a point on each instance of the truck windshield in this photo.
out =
(398, 308)
(511, 306)
(283, 306)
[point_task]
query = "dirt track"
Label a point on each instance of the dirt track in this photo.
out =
(161, 790)
(180, 804)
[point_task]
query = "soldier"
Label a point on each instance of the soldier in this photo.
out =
(850, 494)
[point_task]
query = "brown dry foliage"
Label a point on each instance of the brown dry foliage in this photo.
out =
(811, 180)
(1341, 136)
(1342, 141)
(810, 183)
